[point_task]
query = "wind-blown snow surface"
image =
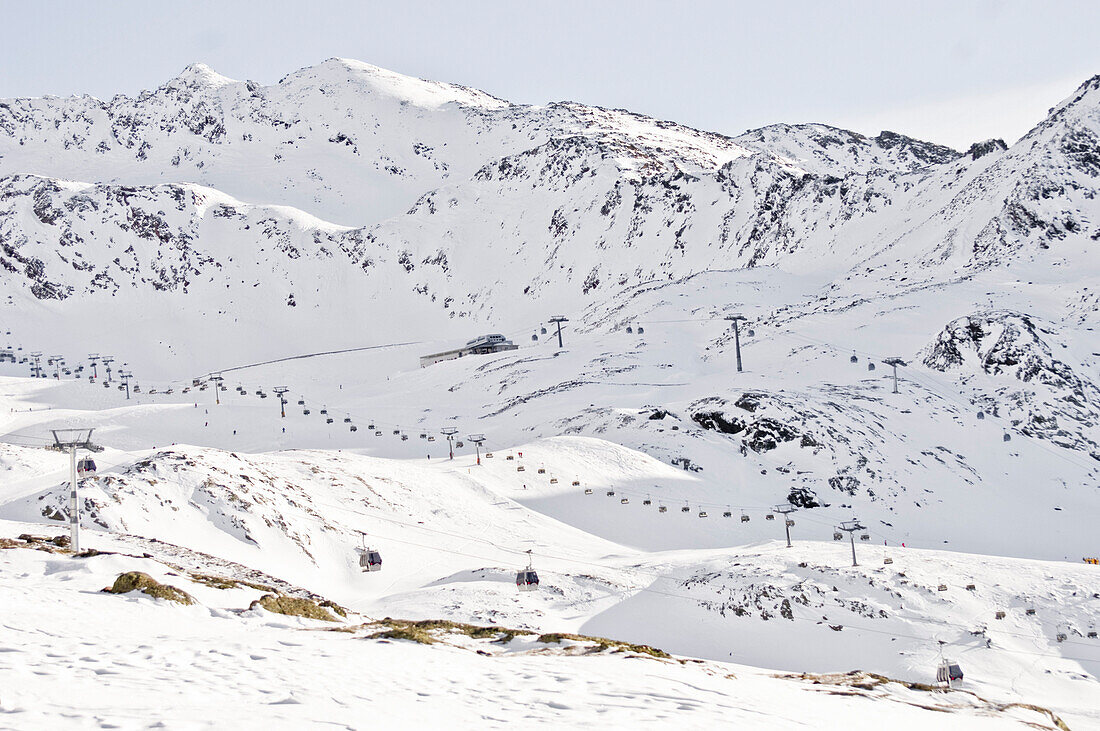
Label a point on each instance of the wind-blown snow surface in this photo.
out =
(210, 224)
(135, 662)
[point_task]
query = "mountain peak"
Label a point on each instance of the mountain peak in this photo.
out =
(197, 75)
(369, 78)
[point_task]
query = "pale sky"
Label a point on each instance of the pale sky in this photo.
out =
(949, 72)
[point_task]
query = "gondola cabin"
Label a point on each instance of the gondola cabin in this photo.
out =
(85, 467)
(370, 560)
(527, 580)
(949, 672)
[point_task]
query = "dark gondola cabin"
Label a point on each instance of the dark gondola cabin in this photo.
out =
(949, 672)
(370, 560)
(527, 580)
(85, 467)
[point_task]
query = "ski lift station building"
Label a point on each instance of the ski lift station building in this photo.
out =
(481, 345)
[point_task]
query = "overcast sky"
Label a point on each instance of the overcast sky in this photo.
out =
(950, 72)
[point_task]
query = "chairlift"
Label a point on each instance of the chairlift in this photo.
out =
(324, 410)
(553, 480)
(431, 439)
(328, 420)
(790, 523)
(488, 455)
(887, 561)
(259, 393)
(542, 470)
(865, 537)
(301, 402)
(520, 468)
(527, 580)
(85, 467)
(377, 432)
(702, 513)
(647, 501)
(588, 491)
(971, 587)
(460, 445)
(347, 419)
(838, 536)
(396, 432)
(353, 427)
(509, 457)
(1000, 614)
(305, 411)
(404, 437)
(769, 516)
(948, 672)
(685, 509)
(1029, 612)
(1061, 637)
(1092, 634)
(423, 435)
(370, 426)
(625, 501)
(662, 508)
(941, 587)
(744, 517)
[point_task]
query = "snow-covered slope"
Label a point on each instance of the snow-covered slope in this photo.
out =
(219, 227)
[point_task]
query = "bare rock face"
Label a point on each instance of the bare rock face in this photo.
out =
(1046, 397)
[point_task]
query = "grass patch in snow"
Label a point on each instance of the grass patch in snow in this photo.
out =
(429, 631)
(602, 643)
(146, 584)
(293, 606)
(224, 582)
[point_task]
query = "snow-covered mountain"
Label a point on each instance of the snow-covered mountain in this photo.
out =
(216, 226)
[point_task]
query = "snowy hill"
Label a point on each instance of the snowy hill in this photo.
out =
(213, 226)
